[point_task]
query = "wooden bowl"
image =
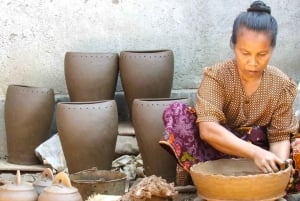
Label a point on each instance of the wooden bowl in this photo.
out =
(238, 179)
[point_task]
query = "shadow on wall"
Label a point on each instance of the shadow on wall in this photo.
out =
(297, 103)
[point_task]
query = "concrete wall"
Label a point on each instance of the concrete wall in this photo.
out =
(35, 34)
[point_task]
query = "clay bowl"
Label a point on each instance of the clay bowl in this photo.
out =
(238, 179)
(93, 181)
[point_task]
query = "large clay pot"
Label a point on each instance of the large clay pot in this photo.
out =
(18, 191)
(149, 128)
(28, 116)
(88, 133)
(91, 76)
(60, 190)
(240, 180)
(146, 74)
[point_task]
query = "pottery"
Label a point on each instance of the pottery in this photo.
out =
(45, 180)
(149, 128)
(146, 74)
(91, 76)
(238, 179)
(28, 116)
(93, 181)
(88, 133)
(18, 191)
(60, 190)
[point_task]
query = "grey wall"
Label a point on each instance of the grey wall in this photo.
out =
(35, 34)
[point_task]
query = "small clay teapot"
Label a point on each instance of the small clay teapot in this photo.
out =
(43, 181)
(60, 190)
(18, 191)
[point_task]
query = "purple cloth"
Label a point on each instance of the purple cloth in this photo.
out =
(181, 136)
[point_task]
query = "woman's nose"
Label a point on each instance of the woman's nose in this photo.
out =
(252, 61)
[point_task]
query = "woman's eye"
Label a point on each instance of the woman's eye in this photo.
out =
(262, 54)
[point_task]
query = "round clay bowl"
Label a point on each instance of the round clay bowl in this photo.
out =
(93, 181)
(238, 179)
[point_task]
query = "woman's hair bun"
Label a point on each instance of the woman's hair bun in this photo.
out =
(259, 6)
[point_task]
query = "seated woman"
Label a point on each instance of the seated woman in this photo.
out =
(244, 105)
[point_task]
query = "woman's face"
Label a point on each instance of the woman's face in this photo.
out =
(253, 51)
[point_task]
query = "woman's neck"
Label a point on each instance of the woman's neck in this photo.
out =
(251, 84)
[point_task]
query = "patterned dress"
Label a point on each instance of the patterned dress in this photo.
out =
(265, 117)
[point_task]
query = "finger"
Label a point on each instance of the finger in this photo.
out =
(269, 169)
(264, 170)
(274, 166)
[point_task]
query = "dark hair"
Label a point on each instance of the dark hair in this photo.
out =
(258, 18)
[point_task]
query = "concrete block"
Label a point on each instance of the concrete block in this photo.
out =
(3, 147)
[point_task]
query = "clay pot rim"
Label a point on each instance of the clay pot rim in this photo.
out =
(160, 99)
(84, 102)
(145, 51)
(29, 86)
(231, 177)
(75, 53)
(122, 175)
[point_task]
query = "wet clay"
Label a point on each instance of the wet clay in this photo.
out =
(146, 74)
(149, 128)
(91, 76)
(28, 115)
(88, 133)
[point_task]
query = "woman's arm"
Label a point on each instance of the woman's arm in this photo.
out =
(225, 141)
(281, 149)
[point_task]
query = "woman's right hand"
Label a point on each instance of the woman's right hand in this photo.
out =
(266, 161)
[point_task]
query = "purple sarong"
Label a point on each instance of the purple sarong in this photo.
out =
(181, 136)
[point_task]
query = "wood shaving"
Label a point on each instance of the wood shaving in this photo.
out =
(149, 188)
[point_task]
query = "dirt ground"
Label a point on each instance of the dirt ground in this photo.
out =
(187, 193)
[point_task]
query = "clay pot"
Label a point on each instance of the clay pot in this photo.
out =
(88, 133)
(146, 74)
(44, 181)
(149, 128)
(28, 116)
(18, 191)
(91, 76)
(60, 190)
(238, 179)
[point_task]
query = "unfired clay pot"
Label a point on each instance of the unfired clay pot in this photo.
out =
(18, 191)
(238, 179)
(149, 128)
(88, 133)
(60, 190)
(28, 116)
(91, 76)
(146, 74)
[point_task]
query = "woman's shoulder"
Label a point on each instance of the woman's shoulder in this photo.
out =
(278, 75)
(277, 78)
